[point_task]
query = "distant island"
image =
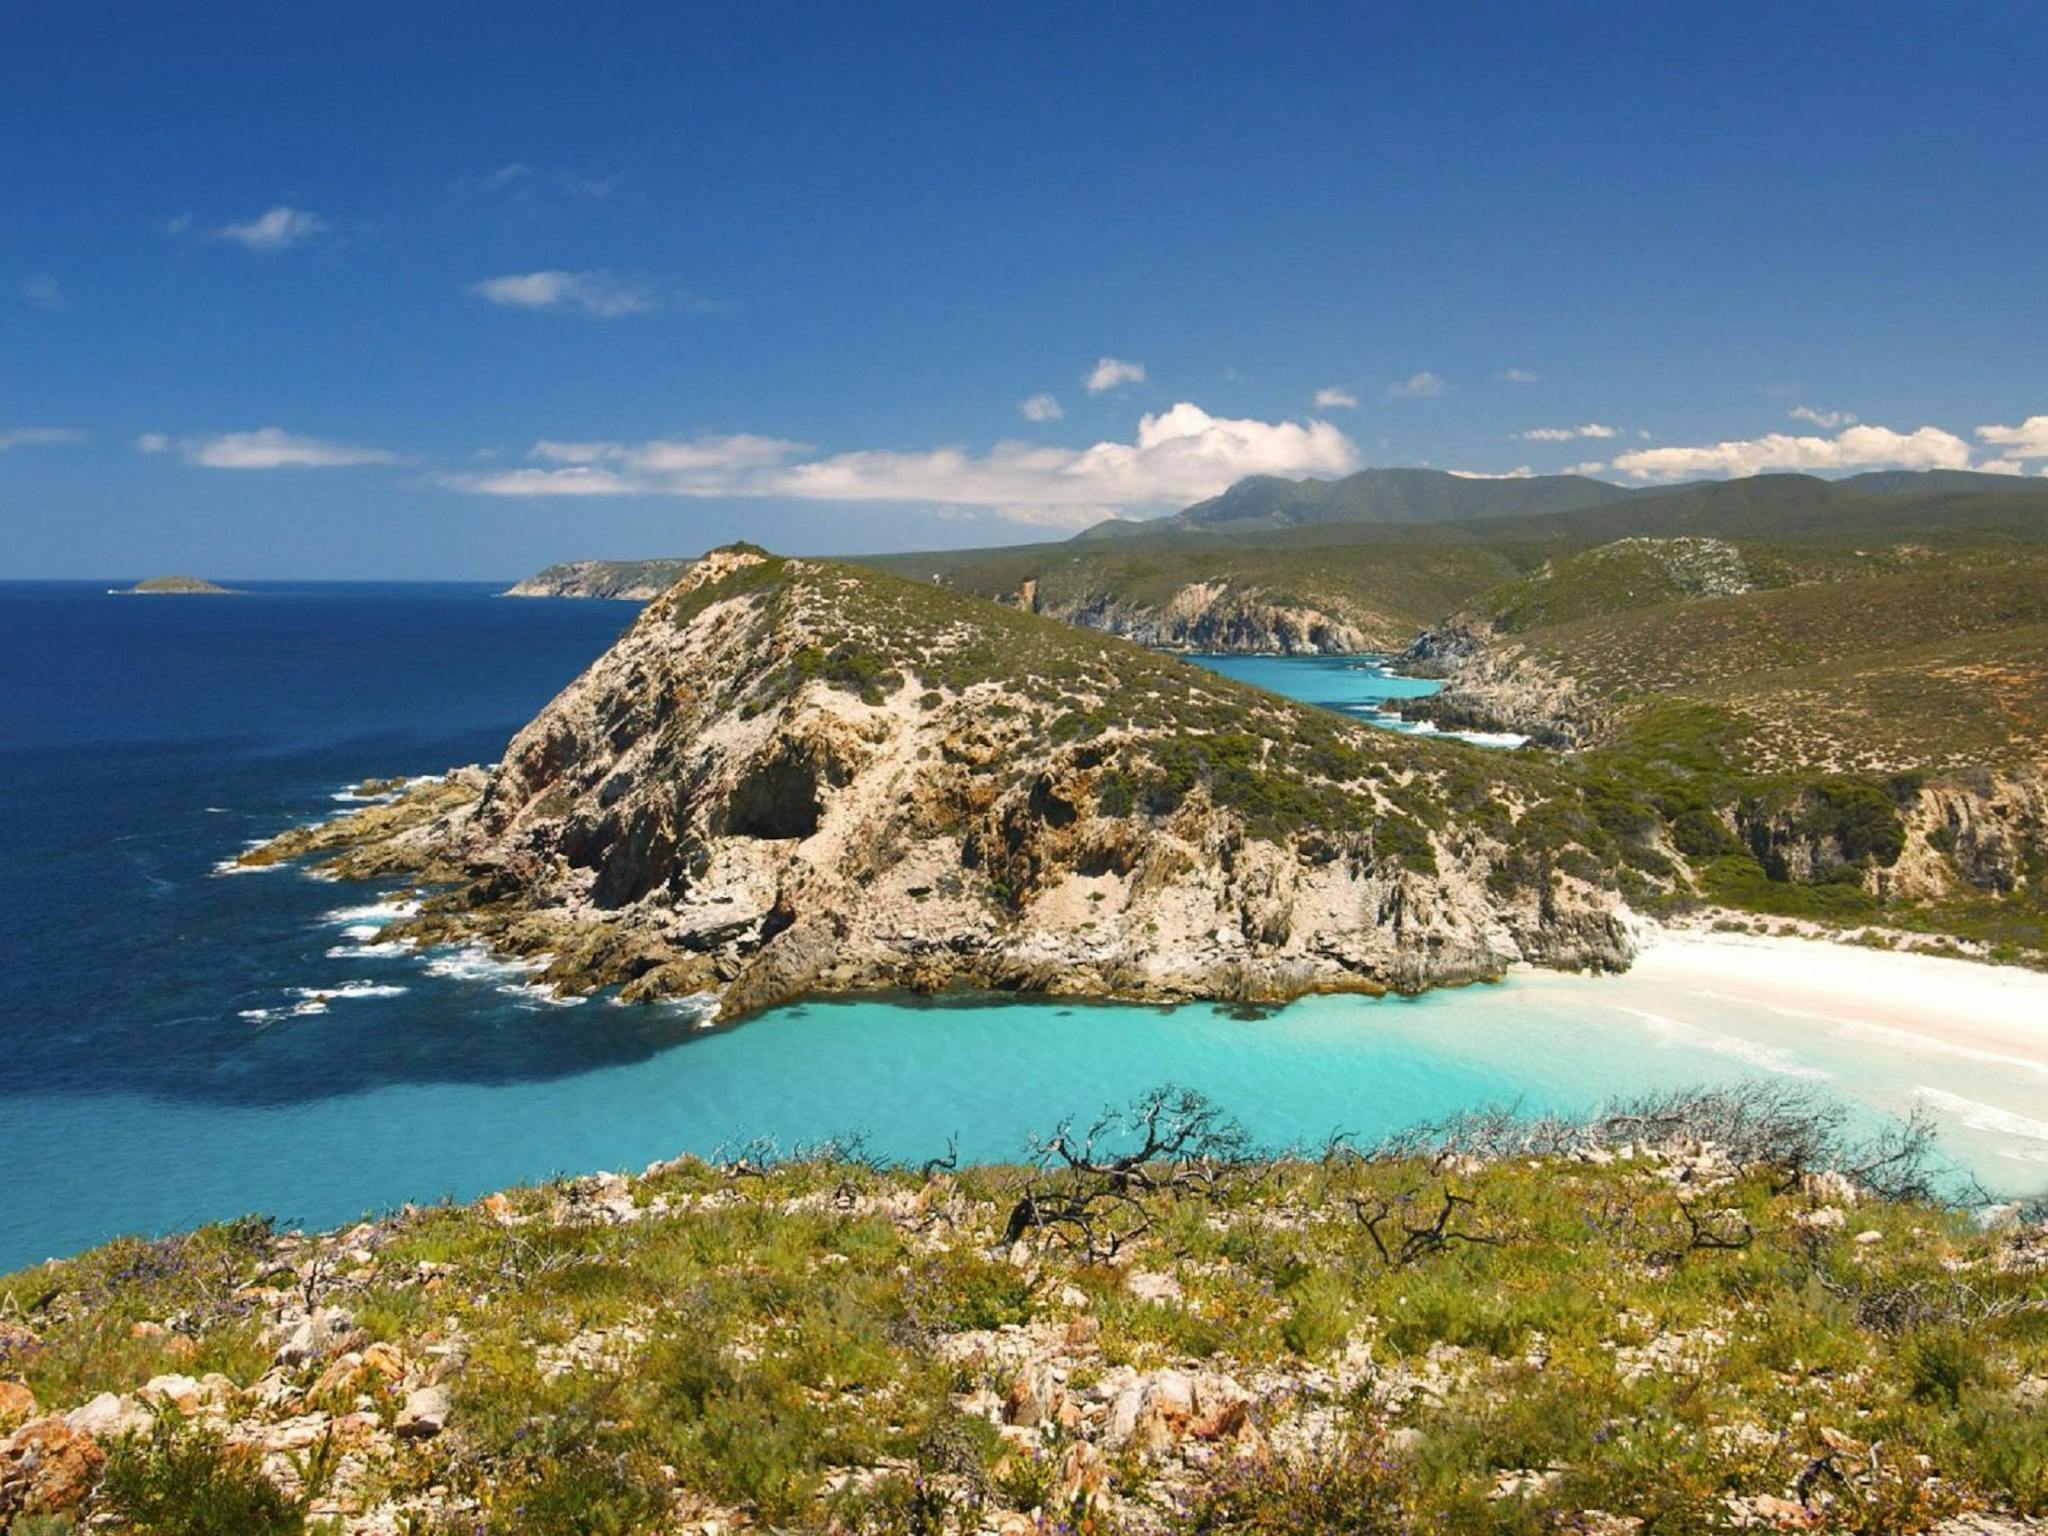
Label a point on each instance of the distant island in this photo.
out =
(180, 586)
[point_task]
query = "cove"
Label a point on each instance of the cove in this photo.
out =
(913, 1075)
(188, 1047)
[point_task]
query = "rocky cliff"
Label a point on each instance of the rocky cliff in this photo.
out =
(1214, 616)
(630, 580)
(1861, 741)
(794, 776)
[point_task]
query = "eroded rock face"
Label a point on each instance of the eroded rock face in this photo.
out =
(1492, 684)
(1218, 617)
(790, 777)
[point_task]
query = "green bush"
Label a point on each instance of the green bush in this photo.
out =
(180, 1480)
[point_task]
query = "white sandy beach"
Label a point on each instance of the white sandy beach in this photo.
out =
(1904, 1001)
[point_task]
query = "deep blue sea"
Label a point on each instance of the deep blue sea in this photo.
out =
(166, 1056)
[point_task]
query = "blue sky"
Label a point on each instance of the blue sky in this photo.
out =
(457, 290)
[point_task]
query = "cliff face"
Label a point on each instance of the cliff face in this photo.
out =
(630, 580)
(1801, 751)
(792, 777)
(1215, 617)
(1494, 685)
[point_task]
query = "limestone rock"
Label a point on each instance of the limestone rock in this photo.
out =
(47, 1467)
(17, 1405)
(110, 1416)
(425, 1414)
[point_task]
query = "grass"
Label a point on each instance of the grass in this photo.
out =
(760, 1338)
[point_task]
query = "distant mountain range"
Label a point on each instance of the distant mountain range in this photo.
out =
(1414, 496)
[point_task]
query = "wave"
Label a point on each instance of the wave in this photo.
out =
(477, 962)
(381, 913)
(1768, 1058)
(1985, 1117)
(543, 992)
(385, 950)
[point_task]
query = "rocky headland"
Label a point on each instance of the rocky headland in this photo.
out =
(635, 581)
(794, 777)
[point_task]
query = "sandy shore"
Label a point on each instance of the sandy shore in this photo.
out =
(1906, 1001)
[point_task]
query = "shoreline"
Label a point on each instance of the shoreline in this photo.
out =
(1956, 1003)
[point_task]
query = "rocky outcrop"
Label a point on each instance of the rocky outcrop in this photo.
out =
(1492, 685)
(1215, 617)
(1975, 832)
(635, 581)
(795, 777)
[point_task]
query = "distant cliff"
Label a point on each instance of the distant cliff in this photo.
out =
(628, 580)
(1215, 616)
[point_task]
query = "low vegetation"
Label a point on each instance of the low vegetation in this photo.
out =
(1705, 1312)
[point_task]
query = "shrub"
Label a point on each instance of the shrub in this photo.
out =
(180, 1480)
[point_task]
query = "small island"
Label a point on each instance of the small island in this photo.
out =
(182, 586)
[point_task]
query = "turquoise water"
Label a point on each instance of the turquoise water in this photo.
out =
(912, 1075)
(179, 1046)
(1351, 685)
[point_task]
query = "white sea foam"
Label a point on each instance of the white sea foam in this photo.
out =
(348, 989)
(475, 962)
(1985, 1117)
(383, 912)
(1768, 1058)
(385, 950)
(237, 867)
(543, 992)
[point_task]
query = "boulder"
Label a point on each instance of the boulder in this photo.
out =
(47, 1468)
(425, 1414)
(110, 1416)
(314, 1336)
(17, 1405)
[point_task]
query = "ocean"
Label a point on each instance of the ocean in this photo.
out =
(179, 1044)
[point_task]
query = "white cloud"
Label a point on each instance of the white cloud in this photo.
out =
(1109, 372)
(1519, 376)
(1519, 472)
(275, 230)
(1827, 419)
(1179, 455)
(2028, 440)
(42, 291)
(1854, 448)
(1589, 467)
(1566, 434)
(595, 293)
(1417, 386)
(38, 437)
(1335, 399)
(265, 448)
(2002, 467)
(1040, 408)
(518, 175)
